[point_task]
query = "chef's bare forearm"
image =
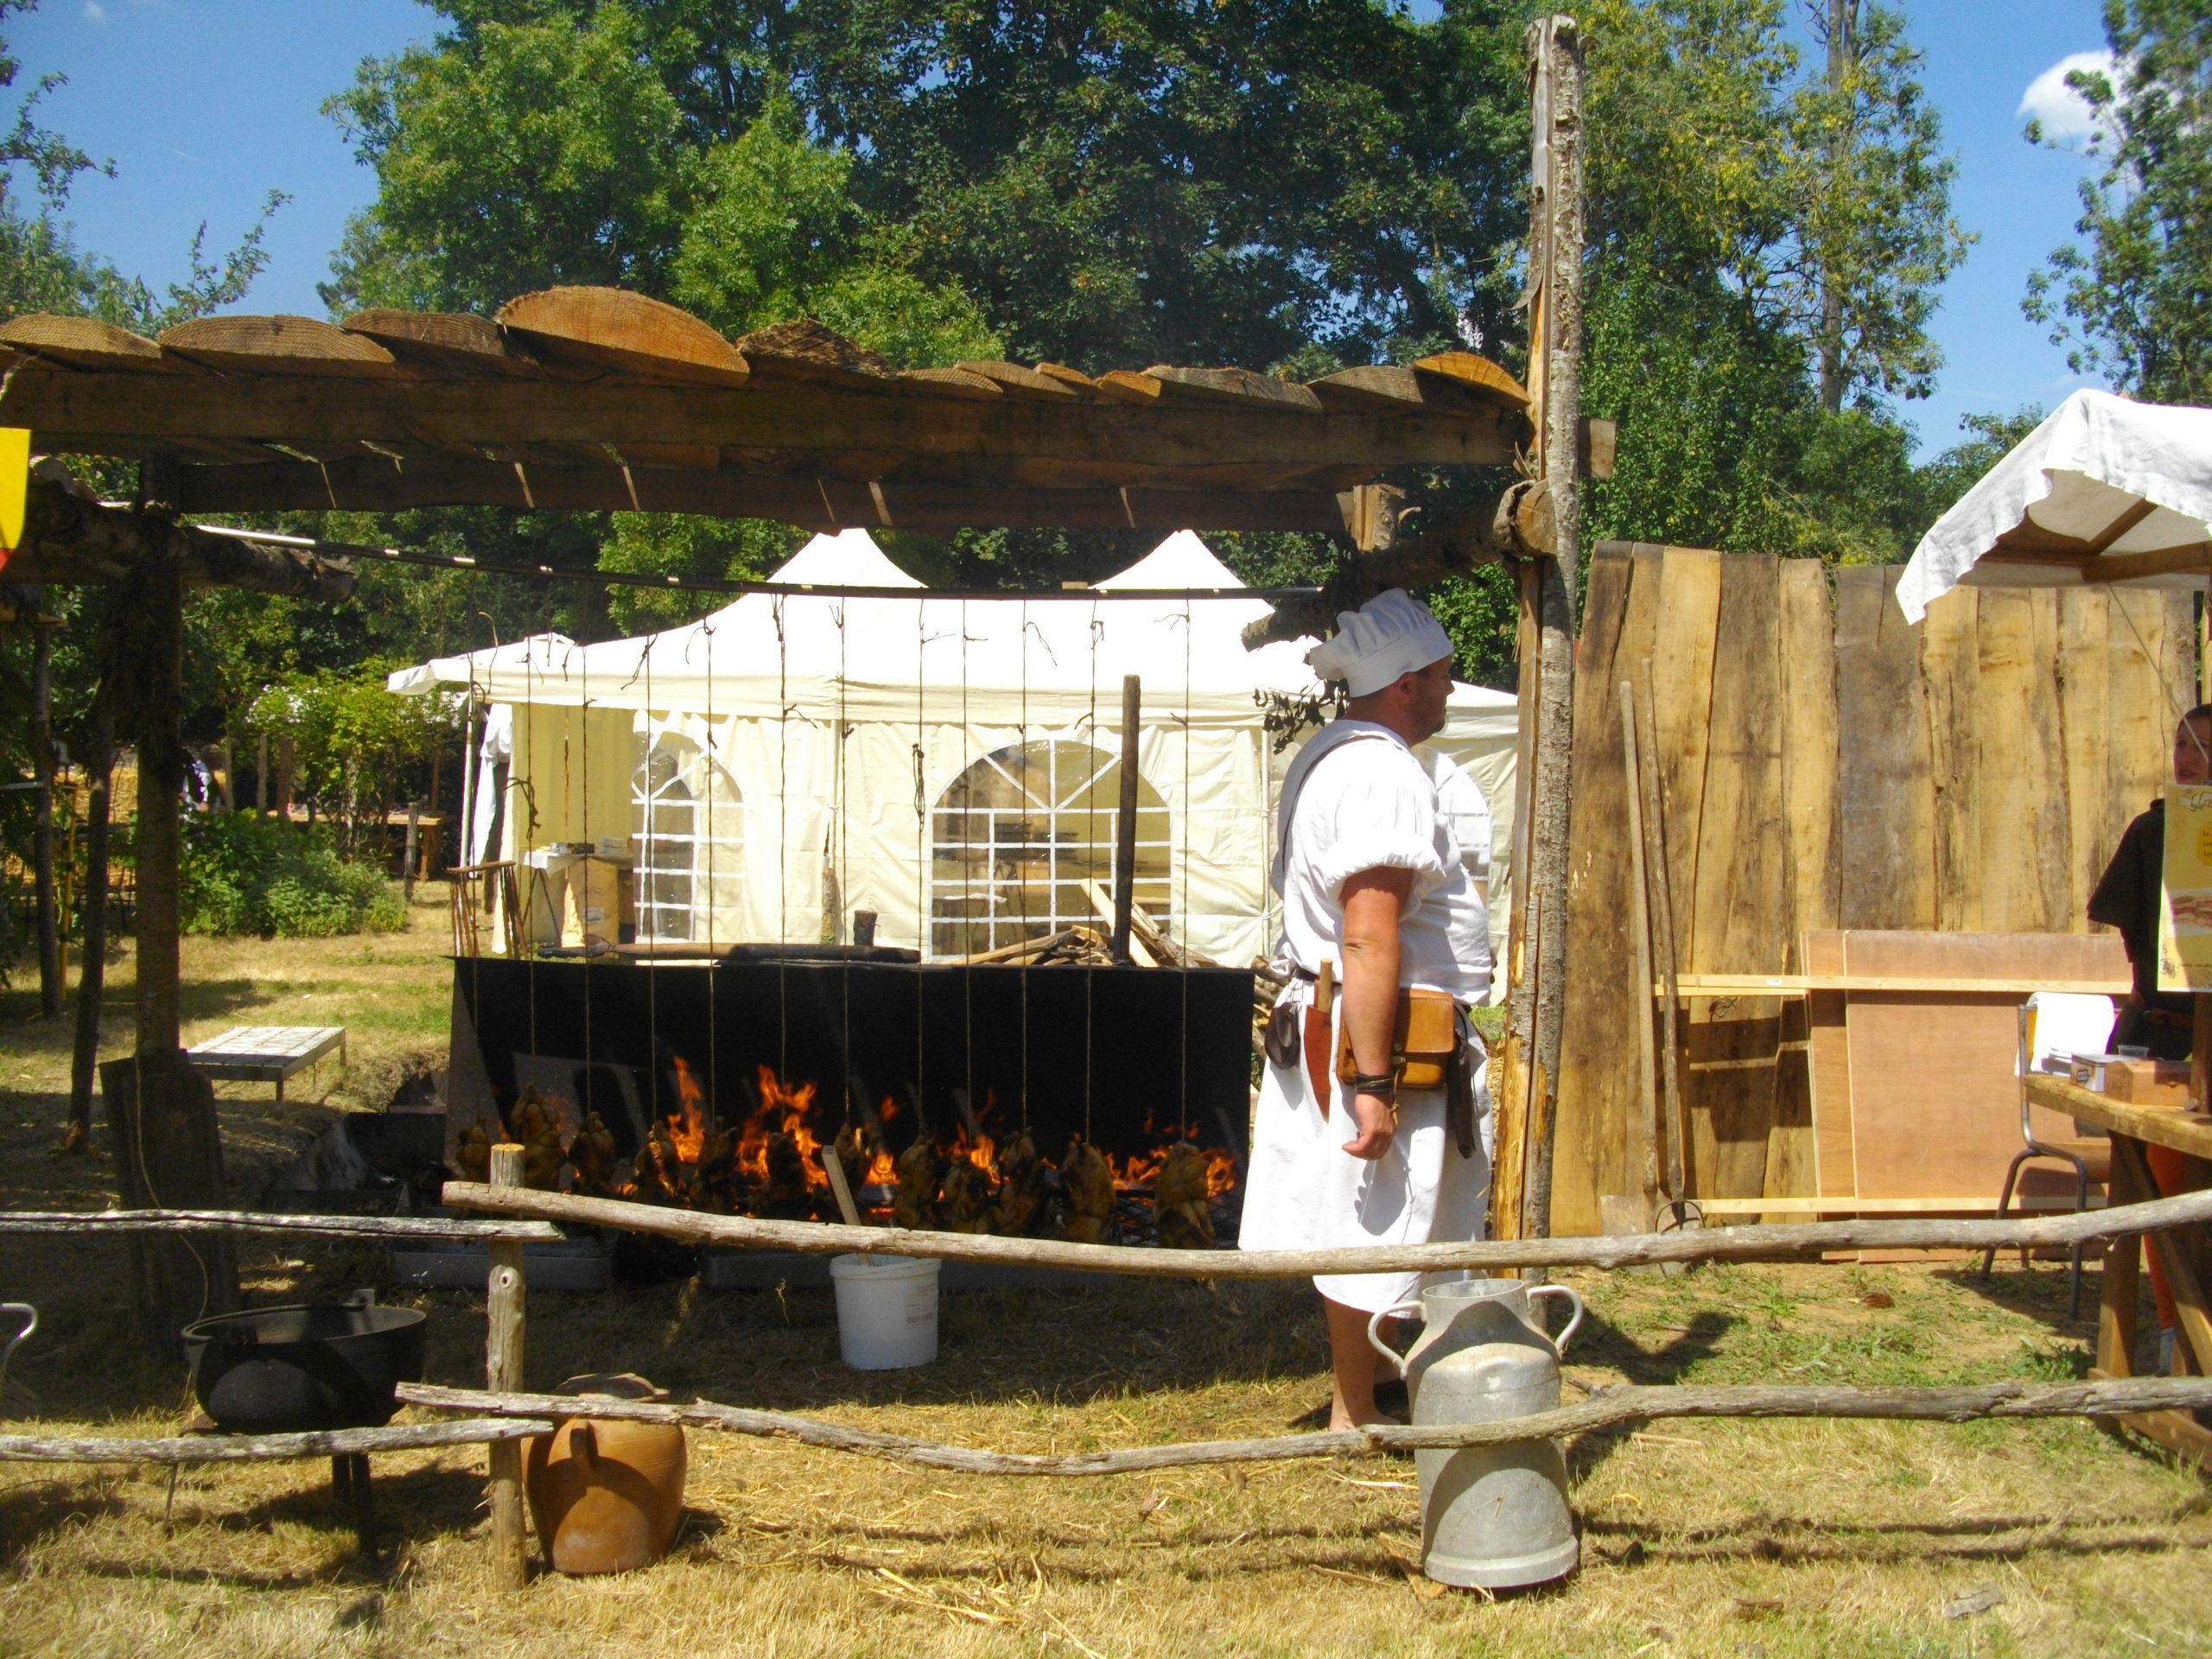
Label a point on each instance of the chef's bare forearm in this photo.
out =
(1373, 901)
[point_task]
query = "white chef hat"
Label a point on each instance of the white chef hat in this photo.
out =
(1392, 634)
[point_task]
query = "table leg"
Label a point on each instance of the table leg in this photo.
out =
(2123, 1269)
(2177, 1431)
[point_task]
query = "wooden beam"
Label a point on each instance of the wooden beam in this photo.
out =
(1238, 386)
(1797, 984)
(615, 328)
(1019, 381)
(77, 1224)
(133, 414)
(1478, 375)
(504, 1429)
(88, 343)
(71, 539)
(443, 342)
(279, 345)
(371, 485)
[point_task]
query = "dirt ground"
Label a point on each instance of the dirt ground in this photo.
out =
(1759, 1540)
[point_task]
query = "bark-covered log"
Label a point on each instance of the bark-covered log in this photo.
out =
(1519, 522)
(1770, 1242)
(1606, 1408)
(78, 1223)
(496, 1428)
(70, 537)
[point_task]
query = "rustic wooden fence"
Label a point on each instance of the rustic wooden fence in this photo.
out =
(1822, 764)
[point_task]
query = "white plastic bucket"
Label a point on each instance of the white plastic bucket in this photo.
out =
(886, 1311)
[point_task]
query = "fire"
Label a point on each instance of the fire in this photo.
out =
(783, 1111)
(687, 1127)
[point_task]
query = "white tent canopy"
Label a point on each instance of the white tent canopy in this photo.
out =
(2105, 490)
(947, 764)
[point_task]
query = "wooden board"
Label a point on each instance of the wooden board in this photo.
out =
(1597, 1093)
(1950, 670)
(1934, 1101)
(1886, 808)
(1742, 903)
(280, 345)
(625, 331)
(2084, 711)
(2021, 777)
(1808, 748)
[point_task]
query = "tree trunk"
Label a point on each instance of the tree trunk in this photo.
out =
(92, 977)
(1843, 60)
(49, 921)
(161, 1112)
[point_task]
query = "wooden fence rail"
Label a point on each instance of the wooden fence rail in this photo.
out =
(1604, 1409)
(491, 1428)
(251, 1221)
(1754, 1243)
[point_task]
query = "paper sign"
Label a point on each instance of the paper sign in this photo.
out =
(2185, 907)
(15, 485)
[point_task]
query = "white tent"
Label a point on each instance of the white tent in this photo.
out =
(2105, 490)
(792, 758)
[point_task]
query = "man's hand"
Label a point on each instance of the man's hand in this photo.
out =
(1372, 1114)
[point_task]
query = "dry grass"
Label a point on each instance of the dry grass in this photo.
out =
(1768, 1539)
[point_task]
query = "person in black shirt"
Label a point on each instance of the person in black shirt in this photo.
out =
(2127, 898)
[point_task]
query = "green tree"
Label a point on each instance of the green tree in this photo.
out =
(2136, 300)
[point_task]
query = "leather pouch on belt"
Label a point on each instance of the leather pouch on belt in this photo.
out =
(1423, 1036)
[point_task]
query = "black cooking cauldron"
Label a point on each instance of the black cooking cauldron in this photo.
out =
(277, 1371)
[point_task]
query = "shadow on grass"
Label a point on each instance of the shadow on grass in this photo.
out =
(1798, 1540)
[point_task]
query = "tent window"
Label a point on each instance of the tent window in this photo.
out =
(1020, 832)
(687, 834)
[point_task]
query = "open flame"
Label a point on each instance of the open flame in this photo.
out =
(782, 1112)
(686, 1126)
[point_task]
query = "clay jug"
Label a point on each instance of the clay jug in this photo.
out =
(606, 1495)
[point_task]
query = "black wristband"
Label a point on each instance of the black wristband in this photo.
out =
(1384, 1083)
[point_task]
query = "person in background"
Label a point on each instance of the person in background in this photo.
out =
(2127, 896)
(1373, 883)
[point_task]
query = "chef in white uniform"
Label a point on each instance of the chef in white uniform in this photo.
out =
(1372, 880)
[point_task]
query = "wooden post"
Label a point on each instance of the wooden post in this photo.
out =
(161, 1119)
(503, 1373)
(407, 858)
(261, 774)
(1547, 603)
(1663, 914)
(1125, 820)
(49, 922)
(100, 773)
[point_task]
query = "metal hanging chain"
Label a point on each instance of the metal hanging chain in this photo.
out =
(1052, 810)
(783, 844)
(1091, 970)
(966, 935)
(842, 826)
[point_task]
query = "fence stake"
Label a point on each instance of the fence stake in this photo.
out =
(503, 1374)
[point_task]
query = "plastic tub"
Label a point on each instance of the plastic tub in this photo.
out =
(886, 1311)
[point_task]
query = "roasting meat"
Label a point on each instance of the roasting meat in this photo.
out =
(537, 1124)
(473, 1155)
(1090, 1185)
(592, 1156)
(914, 1205)
(967, 1199)
(1179, 1200)
(658, 1173)
(1024, 1186)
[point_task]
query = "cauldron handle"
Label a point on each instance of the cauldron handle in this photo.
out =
(30, 1324)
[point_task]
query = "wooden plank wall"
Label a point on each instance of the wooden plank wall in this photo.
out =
(1822, 766)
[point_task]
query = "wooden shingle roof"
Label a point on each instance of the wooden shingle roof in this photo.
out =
(597, 399)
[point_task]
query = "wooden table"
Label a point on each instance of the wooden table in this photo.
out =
(266, 1053)
(2181, 1252)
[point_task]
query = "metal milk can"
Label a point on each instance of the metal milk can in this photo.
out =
(1492, 1516)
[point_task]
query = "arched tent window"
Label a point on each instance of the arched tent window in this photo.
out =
(687, 837)
(1019, 833)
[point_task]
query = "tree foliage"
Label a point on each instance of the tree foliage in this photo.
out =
(2136, 300)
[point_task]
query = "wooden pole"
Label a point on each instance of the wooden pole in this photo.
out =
(1548, 599)
(1605, 1408)
(1125, 820)
(165, 1135)
(1647, 1058)
(407, 855)
(504, 1429)
(79, 1223)
(41, 734)
(1661, 890)
(91, 974)
(1766, 1241)
(503, 1373)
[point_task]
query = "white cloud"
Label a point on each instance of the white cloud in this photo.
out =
(2064, 113)
(95, 12)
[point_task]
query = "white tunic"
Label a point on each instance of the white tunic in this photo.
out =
(1372, 805)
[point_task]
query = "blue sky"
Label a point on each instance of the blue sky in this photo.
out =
(207, 106)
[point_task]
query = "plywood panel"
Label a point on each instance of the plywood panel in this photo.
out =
(1884, 808)
(2084, 710)
(2143, 706)
(1951, 670)
(2022, 780)
(1597, 1092)
(1934, 1105)
(1742, 903)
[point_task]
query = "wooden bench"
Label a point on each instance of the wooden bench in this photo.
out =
(265, 1053)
